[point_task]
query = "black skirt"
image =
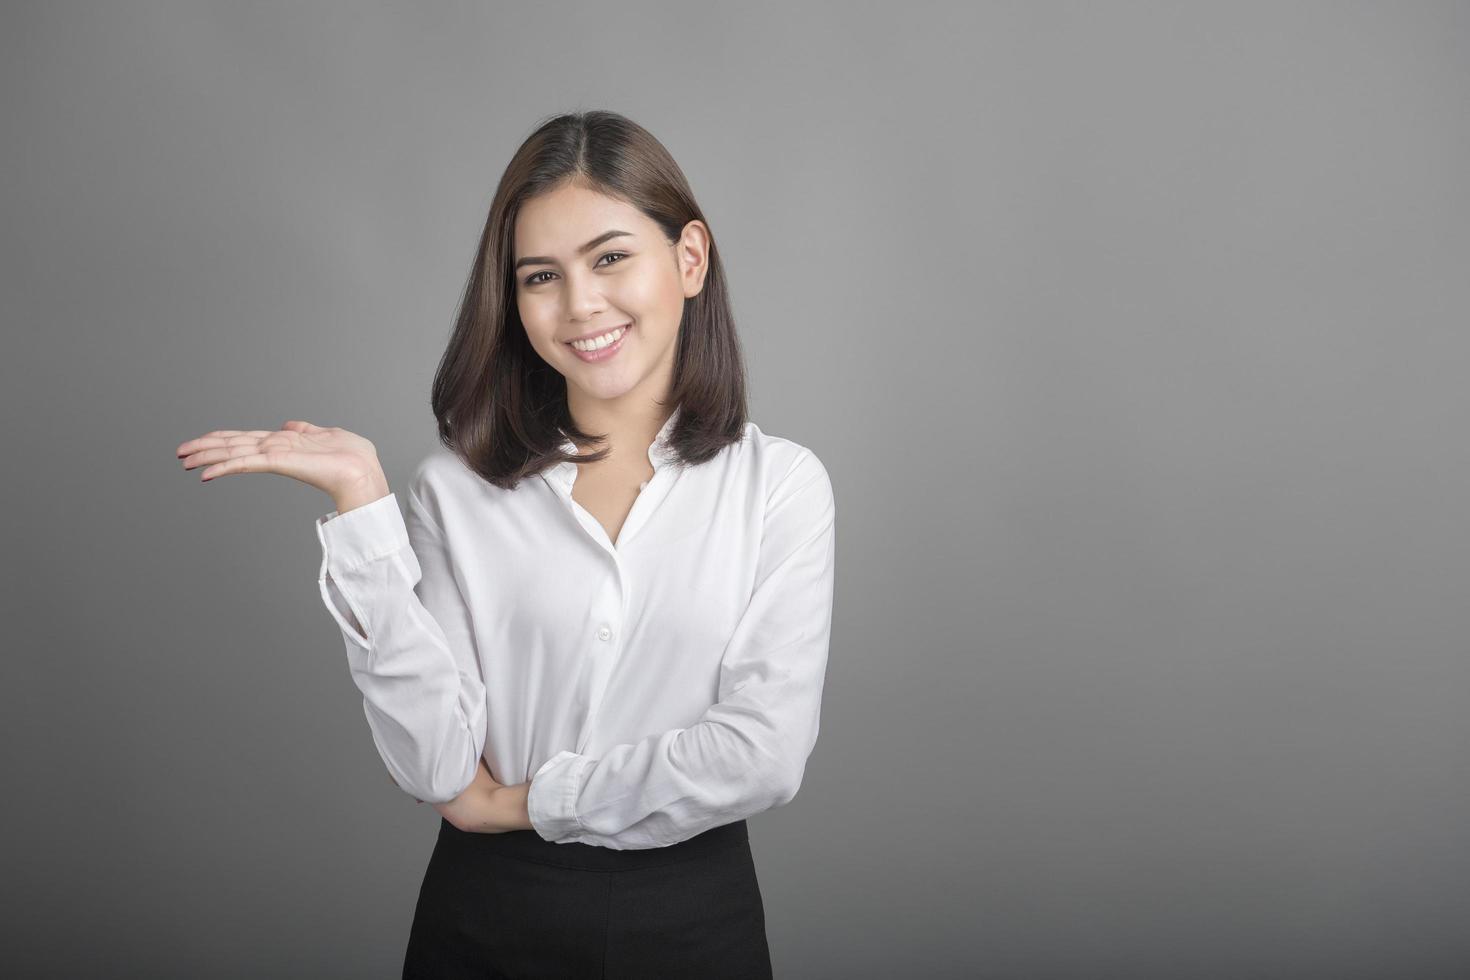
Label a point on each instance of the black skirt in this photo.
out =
(513, 905)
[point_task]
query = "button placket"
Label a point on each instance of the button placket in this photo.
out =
(604, 650)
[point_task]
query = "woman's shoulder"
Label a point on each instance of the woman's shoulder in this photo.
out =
(443, 485)
(456, 499)
(438, 472)
(782, 461)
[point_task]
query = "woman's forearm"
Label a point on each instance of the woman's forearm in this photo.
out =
(488, 807)
(492, 811)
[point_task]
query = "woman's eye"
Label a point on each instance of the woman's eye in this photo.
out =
(535, 280)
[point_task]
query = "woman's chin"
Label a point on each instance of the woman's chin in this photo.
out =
(603, 386)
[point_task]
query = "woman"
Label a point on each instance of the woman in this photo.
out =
(597, 642)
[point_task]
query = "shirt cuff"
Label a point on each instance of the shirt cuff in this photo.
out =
(362, 534)
(551, 800)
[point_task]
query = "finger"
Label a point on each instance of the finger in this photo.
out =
(206, 456)
(249, 463)
(198, 447)
(222, 438)
(244, 438)
(202, 442)
(224, 448)
(298, 425)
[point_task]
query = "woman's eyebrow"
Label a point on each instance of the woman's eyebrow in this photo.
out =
(548, 260)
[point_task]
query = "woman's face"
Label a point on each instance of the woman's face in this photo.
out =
(632, 285)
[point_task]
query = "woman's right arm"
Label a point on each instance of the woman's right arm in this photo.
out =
(388, 584)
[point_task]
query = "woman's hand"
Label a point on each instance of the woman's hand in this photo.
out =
(342, 464)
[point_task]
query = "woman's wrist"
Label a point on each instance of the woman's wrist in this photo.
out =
(371, 486)
(512, 806)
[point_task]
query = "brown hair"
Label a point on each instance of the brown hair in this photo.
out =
(499, 406)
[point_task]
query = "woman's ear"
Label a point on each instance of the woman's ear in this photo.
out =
(692, 253)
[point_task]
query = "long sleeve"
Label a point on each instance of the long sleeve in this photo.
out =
(748, 752)
(390, 587)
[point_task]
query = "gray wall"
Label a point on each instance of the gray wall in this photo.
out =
(1133, 337)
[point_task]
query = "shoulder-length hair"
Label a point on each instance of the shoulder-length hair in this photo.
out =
(500, 407)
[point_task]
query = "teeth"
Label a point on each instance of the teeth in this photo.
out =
(597, 343)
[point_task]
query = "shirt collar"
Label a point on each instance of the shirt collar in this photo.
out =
(660, 454)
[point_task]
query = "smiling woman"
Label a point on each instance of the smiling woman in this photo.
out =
(617, 307)
(593, 229)
(586, 661)
(597, 641)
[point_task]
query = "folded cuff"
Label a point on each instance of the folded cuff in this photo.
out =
(361, 535)
(551, 800)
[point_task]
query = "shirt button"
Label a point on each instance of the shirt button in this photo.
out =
(604, 633)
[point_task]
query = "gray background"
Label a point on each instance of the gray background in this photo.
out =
(1132, 335)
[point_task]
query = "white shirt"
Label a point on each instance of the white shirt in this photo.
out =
(649, 690)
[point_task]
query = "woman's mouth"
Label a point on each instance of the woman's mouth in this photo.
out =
(602, 347)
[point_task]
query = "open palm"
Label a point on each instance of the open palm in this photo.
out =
(330, 459)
